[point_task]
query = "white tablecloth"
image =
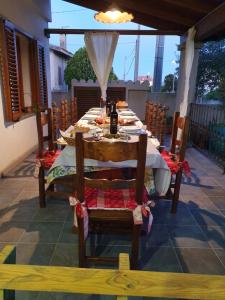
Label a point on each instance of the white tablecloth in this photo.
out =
(153, 160)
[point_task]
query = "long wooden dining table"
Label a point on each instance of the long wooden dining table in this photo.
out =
(158, 180)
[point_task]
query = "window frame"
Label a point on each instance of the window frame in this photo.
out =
(37, 72)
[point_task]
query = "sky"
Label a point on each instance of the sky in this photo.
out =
(66, 15)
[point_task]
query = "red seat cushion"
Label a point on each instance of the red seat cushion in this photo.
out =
(48, 158)
(112, 198)
(175, 165)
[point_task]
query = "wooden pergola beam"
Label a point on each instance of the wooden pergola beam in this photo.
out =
(212, 26)
(49, 31)
(140, 18)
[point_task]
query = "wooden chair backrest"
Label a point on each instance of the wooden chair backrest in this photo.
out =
(155, 119)
(180, 128)
(115, 152)
(64, 115)
(44, 118)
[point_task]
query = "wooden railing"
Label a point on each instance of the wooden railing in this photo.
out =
(207, 129)
(122, 282)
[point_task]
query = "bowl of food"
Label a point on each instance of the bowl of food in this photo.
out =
(70, 133)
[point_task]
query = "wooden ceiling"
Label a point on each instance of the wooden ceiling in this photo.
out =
(161, 14)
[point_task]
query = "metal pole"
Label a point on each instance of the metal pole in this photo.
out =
(159, 52)
(136, 64)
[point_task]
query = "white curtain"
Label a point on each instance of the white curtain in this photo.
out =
(101, 48)
(188, 63)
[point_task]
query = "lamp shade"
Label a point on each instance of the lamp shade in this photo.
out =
(113, 16)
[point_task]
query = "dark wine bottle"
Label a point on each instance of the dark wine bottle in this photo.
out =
(113, 119)
(108, 106)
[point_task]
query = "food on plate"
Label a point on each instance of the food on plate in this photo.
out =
(101, 121)
(124, 122)
(121, 104)
(121, 121)
(78, 128)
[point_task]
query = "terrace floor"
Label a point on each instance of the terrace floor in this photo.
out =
(191, 241)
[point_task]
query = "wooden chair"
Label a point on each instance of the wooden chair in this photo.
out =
(155, 120)
(46, 157)
(64, 115)
(109, 220)
(176, 157)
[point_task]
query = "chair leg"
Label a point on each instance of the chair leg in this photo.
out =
(41, 178)
(176, 192)
(135, 246)
(82, 243)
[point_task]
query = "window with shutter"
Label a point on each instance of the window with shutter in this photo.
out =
(10, 75)
(23, 69)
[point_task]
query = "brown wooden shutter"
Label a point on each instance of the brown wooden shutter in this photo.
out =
(87, 97)
(9, 67)
(40, 80)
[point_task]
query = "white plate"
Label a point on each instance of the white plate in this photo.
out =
(130, 128)
(94, 112)
(127, 113)
(88, 117)
(130, 118)
(96, 108)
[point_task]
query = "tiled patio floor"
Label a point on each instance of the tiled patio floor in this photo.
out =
(192, 241)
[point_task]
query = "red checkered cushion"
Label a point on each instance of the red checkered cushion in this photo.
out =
(112, 198)
(48, 158)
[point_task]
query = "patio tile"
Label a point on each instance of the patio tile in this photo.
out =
(220, 180)
(67, 235)
(206, 217)
(159, 236)
(221, 254)
(17, 212)
(162, 259)
(200, 261)
(34, 254)
(110, 251)
(182, 217)
(51, 213)
(188, 236)
(69, 296)
(219, 201)
(12, 231)
(198, 202)
(27, 198)
(46, 232)
(215, 236)
(216, 191)
(65, 255)
(26, 295)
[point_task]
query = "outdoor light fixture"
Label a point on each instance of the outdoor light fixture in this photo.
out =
(113, 16)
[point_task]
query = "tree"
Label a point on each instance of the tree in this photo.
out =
(211, 70)
(79, 67)
(170, 83)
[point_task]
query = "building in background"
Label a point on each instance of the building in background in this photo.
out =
(59, 58)
(148, 78)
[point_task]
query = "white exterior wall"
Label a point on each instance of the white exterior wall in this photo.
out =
(55, 62)
(20, 138)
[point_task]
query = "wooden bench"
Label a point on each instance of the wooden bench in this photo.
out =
(122, 282)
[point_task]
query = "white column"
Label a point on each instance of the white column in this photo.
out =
(186, 90)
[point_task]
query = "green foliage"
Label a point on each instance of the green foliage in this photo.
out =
(218, 93)
(79, 67)
(211, 70)
(169, 81)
